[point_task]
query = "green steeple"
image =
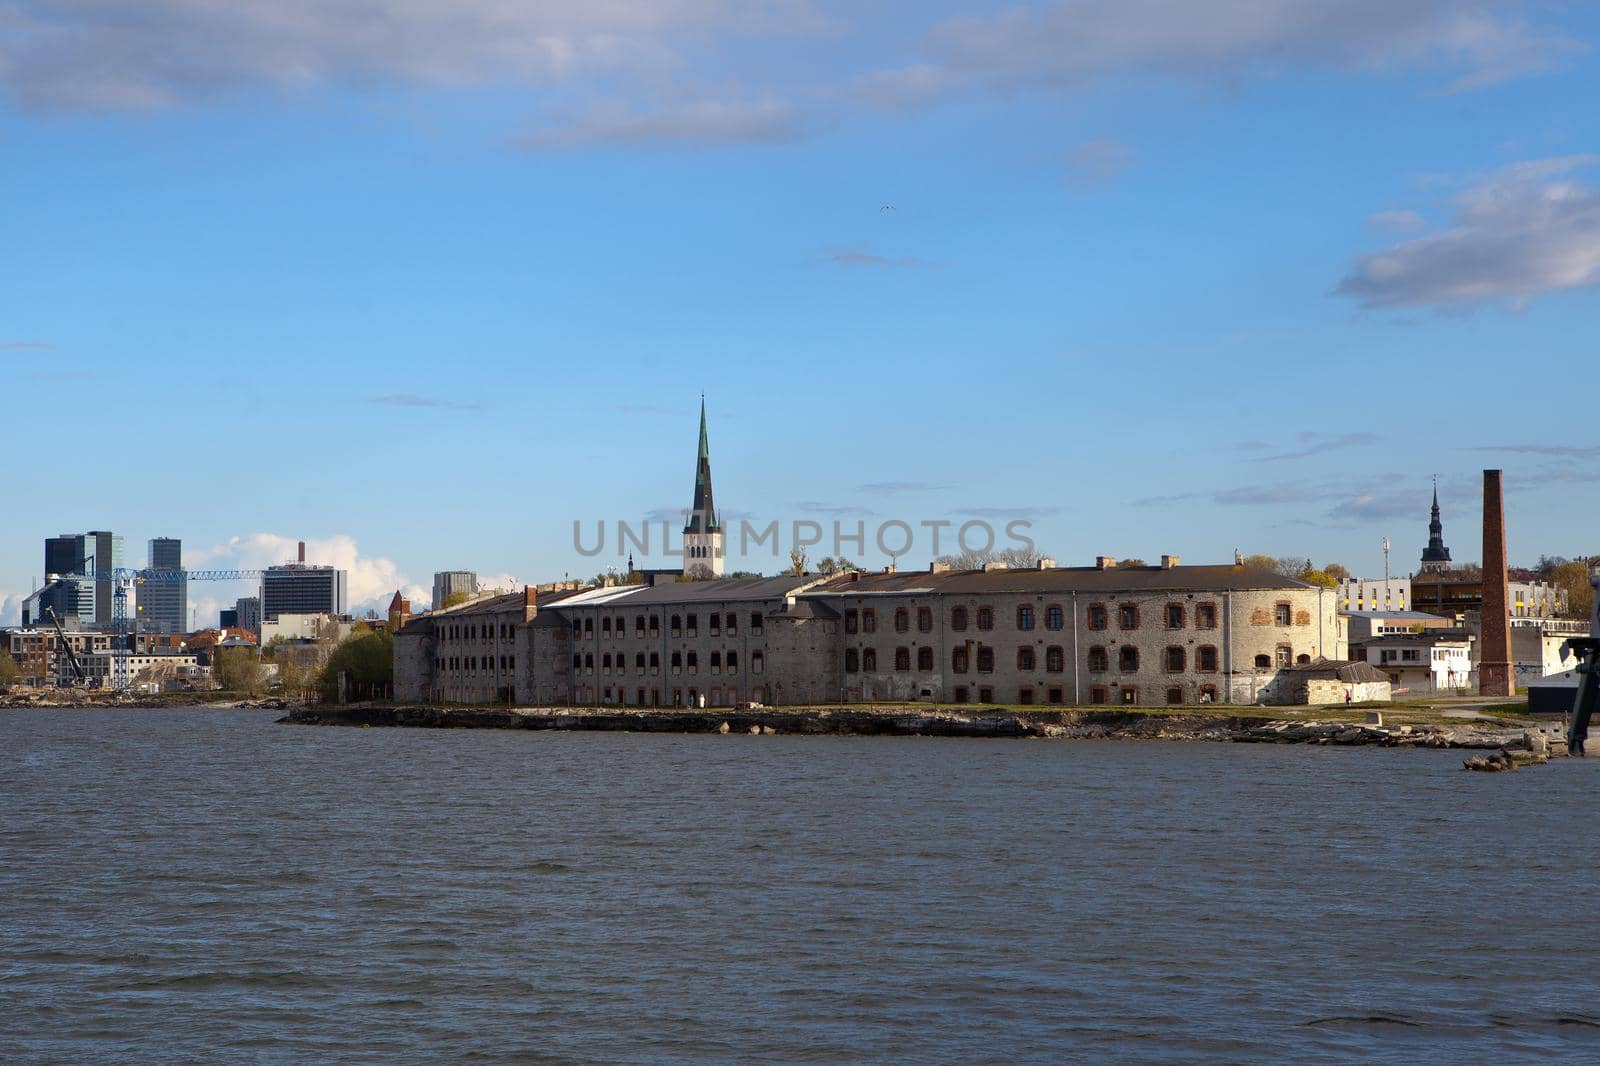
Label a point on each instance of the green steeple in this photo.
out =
(703, 516)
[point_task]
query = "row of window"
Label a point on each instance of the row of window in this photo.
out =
(483, 631)
(1098, 616)
(677, 697)
(1129, 694)
(616, 627)
(1175, 659)
(679, 661)
(473, 663)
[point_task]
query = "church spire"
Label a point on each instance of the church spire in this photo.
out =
(1435, 556)
(703, 515)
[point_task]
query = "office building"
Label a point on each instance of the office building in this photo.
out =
(94, 553)
(297, 588)
(448, 583)
(248, 613)
(163, 596)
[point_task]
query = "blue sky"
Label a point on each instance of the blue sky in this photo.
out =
(1159, 276)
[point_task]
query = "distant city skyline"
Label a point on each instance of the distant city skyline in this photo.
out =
(1154, 277)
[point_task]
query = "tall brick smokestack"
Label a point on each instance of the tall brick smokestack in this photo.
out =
(302, 551)
(1495, 676)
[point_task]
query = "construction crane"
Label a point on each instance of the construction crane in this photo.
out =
(78, 672)
(123, 579)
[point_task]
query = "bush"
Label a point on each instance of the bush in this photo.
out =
(366, 656)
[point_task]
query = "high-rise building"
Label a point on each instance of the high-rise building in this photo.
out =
(248, 610)
(228, 618)
(97, 552)
(300, 589)
(447, 583)
(163, 597)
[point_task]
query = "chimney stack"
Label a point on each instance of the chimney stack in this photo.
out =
(1495, 676)
(529, 603)
(1046, 563)
(302, 551)
(1168, 562)
(1105, 562)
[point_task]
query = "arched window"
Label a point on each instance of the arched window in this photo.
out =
(1128, 616)
(1025, 616)
(1174, 616)
(1263, 662)
(677, 625)
(1024, 658)
(588, 661)
(691, 622)
(985, 659)
(577, 661)
(902, 659)
(958, 660)
(1205, 658)
(605, 660)
(1053, 617)
(716, 660)
(655, 661)
(758, 662)
(638, 663)
(638, 628)
(869, 620)
(852, 620)
(731, 623)
(924, 620)
(694, 662)
(1097, 616)
(605, 627)
(852, 661)
(1128, 659)
(1176, 660)
(924, 658)
(869, 659)
(1055, 661)
(902, 620)
(958, 619)
(1302, 659)
(655, 624)
(677, 662)
(1099, 660)
(716, 624)
(733, 662)
(985, 617)
(1285, 655)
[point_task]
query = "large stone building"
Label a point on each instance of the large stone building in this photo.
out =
(1102, 634)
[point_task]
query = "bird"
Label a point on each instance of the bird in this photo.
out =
(886, 207)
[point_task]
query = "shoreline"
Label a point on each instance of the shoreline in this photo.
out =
(928, 722)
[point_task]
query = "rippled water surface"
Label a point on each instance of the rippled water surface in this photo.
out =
(207, 885)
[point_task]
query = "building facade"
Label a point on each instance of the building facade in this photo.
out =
(248, 609)
(162, 604)
(297, 588)
(448, 583)
(1101, 635)
(90, 554)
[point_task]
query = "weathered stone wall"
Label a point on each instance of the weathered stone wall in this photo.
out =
(413, 661)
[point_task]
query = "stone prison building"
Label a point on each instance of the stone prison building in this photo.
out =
(1094, 635)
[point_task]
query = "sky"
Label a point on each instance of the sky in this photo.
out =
(425, 283)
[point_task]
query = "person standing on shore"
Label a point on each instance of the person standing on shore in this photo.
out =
(1348, 695)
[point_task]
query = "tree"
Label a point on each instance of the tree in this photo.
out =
(1336, 571)
(1572, 577)
(1017, 558)
(366, 658)
(291, 679)
(797, 560)
(10, 670)
(1267, 563)
(1135, 561)
(455, 599)
(237, 670)
(1319, 577)
(830, 566)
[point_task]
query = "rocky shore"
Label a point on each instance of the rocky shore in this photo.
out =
(928, 722)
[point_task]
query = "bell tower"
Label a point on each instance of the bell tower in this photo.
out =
(1435, 557)
(702, 533)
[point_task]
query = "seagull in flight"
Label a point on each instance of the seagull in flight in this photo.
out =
(886, 207)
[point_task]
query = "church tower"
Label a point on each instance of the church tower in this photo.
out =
(1435, 557)
(702, 533)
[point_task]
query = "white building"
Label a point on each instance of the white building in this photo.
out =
(1430, 661)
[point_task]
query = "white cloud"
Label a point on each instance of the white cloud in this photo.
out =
(692, 123)
(11, 607)
(1397, 221)
(372, 579)
(1095, 164)
(1067, 43)
(1524, 231)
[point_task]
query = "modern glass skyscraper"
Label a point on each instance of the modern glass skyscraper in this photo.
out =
(163, 596)
(97, 552)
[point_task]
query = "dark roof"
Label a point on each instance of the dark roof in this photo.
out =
(1414, 616)
(1427, 636)
(1085, 579)
(1340, 669)
(721, 589)
(804, 607)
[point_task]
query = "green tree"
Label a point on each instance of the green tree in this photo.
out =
(1267, 563)
(1135, 561)
(366, 658)
(10, 670)
(291, 679)
(237, 670)
(1336, 571)
(1320, 577)
(455, 599)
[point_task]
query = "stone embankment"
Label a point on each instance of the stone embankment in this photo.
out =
(901, 721)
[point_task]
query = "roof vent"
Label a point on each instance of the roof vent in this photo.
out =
(992, 566)
(1105, 562)
(1168, 562)
(937, 567)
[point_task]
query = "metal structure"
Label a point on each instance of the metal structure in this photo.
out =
(66, 656)
(1588, 669)
(124, 578)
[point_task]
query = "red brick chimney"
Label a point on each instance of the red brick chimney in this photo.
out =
(530, 603)
(1495, 674)
(302, 551)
